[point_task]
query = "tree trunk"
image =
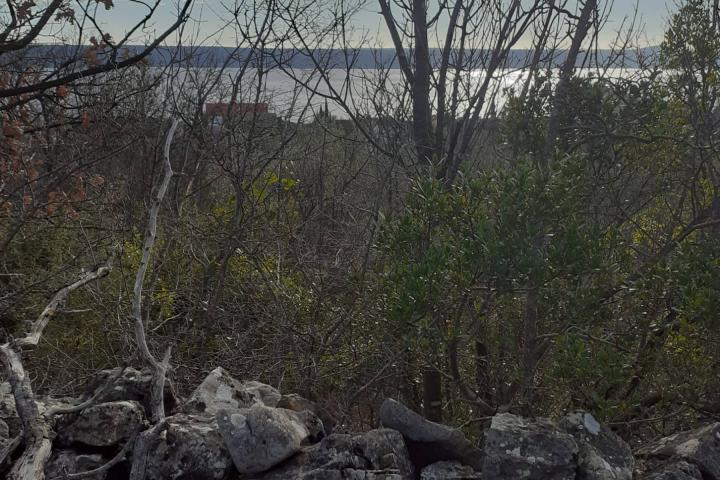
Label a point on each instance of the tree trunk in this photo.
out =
(432, 394)
(422, 116)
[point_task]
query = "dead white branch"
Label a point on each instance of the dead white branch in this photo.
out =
(38, 326)
(158, 368)
(37, 434)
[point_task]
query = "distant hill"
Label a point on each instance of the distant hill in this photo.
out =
(212, 57)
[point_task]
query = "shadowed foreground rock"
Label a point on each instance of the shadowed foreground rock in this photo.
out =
(676, 471)
(375, 455)
(449, 471)
(428, 442)
(191, 447)
(521, 448)
(233, 430)
(120, 420)
(670, 456)
(67, 462)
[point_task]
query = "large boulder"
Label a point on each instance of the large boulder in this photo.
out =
(700, 447)
(375, 455)
(190, 448)
(429, 442)
(63, 462)
(602, 454)
(132, 384)
(104, 424)
(449, 471)
(261, 437)
(520, 448)
(220, 391)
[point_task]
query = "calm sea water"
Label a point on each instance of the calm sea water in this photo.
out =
(299, 94)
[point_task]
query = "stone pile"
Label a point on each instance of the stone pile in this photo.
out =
(230, 430)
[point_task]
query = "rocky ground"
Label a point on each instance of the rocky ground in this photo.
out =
(248, 430)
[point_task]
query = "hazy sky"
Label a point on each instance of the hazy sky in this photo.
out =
(209, 14)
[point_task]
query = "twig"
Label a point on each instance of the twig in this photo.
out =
(121, 455)
(90, 401)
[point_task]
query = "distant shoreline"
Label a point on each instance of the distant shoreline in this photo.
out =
(213, 57)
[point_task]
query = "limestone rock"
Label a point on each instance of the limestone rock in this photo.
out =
(220, 391)
(261, 437)
(131, 385)
(190, 448)
(449, 471)
(428, 442)
(4, 431)
(700, 447)
(295, 402)
(67, 461)
(375, 455)
(104, 424)
(520, 448)
(602, 454)
(675, 471)
(8, 413)
(5, 437)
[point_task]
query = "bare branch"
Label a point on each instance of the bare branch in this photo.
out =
(158, 368)
(38, 326)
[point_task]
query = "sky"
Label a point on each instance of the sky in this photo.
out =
(209, 15)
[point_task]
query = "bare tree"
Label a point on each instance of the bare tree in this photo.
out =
(34, 68)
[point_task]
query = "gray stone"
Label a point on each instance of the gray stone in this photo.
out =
(295, 402)
(385, 450)
(67, 461)
(375, 455)
(429, 442)
(675, 471)
(449, 470)
(131, 385)
(298, 403)
(4, 431)
(190, 448)
(602, 454)
(8, 413)
(700, 447)
(265, 394)
(220, 391)
(5, 437)
(261, 437)
(104, 424)
(519, 448)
